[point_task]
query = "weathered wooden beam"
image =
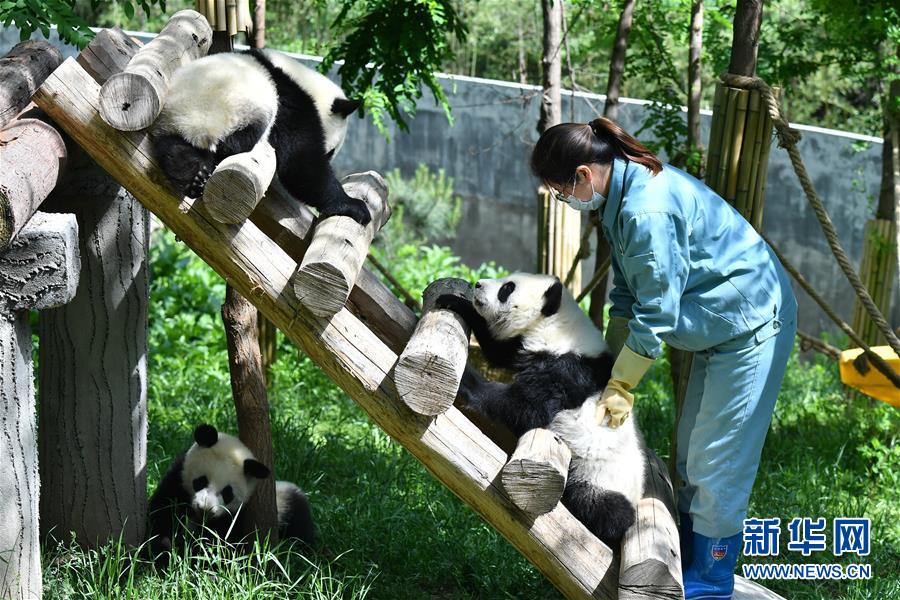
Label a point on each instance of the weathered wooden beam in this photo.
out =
(32, 158)
(239, 183)
(22, 71)
(450, 446)
(39, 270)
(132, 99)
(431, 366)
(651, 558)
(535, 476)
(339, 247)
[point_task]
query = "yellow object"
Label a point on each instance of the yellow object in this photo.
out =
(617, 399)
(859, 373)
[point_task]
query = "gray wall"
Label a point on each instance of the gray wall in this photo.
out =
(486, 153)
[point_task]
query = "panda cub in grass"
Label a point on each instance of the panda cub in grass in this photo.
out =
(532, 325)
(224, 104)
(207, 484)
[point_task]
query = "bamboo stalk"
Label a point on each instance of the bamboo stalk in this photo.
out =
(860, 323)
(756, 168)
(737, 142)
(221, 16)
(760, 195)
(715, 136)
(721, 179)
(210, 13)
(743, 200)
(232, 16)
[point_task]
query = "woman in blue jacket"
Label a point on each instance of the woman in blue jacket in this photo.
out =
(689, 271)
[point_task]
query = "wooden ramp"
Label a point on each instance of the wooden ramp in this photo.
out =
(357, 344)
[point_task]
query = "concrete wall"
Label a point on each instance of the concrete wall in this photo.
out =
(486, 152)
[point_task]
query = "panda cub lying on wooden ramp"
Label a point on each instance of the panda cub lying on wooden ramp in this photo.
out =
(225, 104)
(532, 325)
(207, 484)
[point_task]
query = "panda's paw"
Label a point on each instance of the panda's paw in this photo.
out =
(355, 209)
(461, 306)
(198, 184)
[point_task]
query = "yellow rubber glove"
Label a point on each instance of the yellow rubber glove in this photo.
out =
(616, 332)
(617, 399)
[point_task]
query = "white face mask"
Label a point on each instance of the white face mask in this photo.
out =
(597, 200)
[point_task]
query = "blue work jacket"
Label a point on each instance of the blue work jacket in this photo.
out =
(688, 269)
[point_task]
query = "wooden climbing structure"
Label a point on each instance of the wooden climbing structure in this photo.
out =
(355, 329)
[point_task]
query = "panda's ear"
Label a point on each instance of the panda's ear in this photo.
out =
(254, 468)
(206, 435)
(344, 107)
(552, 299)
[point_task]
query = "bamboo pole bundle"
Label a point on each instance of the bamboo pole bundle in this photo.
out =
(759, 197)
(730, 108)
(743, 200)
(737, 141)
(877, 272)
(715, 137)
(559, 235)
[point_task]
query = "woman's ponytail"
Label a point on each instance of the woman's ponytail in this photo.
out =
(625, 143)
(563, 147)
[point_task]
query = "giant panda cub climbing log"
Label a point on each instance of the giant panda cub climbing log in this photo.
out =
(532, 325)
(225, 104)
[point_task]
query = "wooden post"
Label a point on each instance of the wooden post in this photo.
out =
(339, 246)
(38, 270)
(651, 556)
(32, 157)
(239, 183)
(93, 356)
(431, 366)
(535, 476)
(22, 71)
(450, 446)
(132, 99)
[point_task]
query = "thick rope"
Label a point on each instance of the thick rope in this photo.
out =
(879, 362)
(787, 139)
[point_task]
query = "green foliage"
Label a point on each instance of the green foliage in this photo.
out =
(32, 15)
(405, 41)
(423, 208)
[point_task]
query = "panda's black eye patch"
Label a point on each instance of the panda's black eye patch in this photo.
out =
(329, 154)
(227, 494)
(506, 291)
(200, 483)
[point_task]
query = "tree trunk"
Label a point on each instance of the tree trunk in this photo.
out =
(252, 407)
(248, 386)
(888, 198)
(93, 376)
(551, 62)
(745, 39)
(617, 62)
(523, 64)
(259, 24)
(610, 111)
(694, 82)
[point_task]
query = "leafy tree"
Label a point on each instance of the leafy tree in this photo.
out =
(406, 43)
(32, 15)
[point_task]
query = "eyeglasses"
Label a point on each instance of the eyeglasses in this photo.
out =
(561, 196)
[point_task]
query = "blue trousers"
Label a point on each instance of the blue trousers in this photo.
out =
(729, 403)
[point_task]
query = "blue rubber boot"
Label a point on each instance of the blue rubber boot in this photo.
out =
(685, 537)
(711, 574)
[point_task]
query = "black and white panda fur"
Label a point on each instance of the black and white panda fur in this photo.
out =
(224, 104)
(532, 325)
(208, 483)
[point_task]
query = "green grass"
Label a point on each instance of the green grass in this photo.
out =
(388, 530)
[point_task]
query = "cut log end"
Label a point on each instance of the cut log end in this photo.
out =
(238, 184)
(338, 249)
(535, 476)
(429, 370)
(129, 102)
